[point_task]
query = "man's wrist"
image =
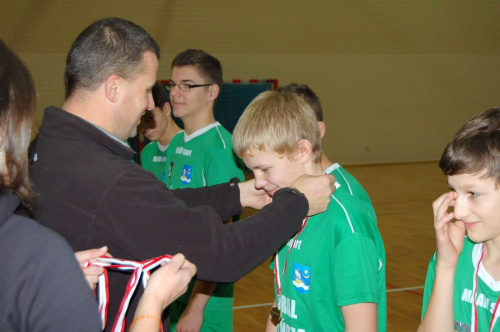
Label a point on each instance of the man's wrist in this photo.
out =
(294, 190)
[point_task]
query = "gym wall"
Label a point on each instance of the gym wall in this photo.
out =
(396, 78)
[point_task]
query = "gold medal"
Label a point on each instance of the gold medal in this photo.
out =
(275, 316)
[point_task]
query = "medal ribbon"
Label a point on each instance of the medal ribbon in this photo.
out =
(140, 269)
(277, 278)
(474, 318)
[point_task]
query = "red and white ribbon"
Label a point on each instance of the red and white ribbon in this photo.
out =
(140, 269)
(277, 278)
(474, 318)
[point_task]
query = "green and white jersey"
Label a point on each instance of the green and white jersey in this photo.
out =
(154, 159)
(487, 294)
(337, 260)
(203, 158)
(348, 182)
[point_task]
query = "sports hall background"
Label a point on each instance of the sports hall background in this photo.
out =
(396, 78)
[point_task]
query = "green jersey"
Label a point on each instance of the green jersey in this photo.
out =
(154, 159)
(487, 293)
(204, 158)
(337, 260)
(347, 181)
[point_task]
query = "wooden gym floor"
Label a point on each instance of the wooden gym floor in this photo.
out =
(402, 195)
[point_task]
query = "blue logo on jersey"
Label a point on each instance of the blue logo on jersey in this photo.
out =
(187, 174)
(301, 278)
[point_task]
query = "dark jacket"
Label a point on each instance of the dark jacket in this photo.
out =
(42, 287)
(92, 195)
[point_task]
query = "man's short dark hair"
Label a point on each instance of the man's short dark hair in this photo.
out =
(308, 95)
(475, 149)
(205, 64)
(108, 46)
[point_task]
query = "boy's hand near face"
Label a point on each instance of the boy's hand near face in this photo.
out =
(450, 238)
(450, 235)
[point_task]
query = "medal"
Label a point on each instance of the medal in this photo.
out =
(275, 313)
(275, 316)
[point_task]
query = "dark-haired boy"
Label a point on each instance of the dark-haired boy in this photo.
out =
(159, 127)
(344, 178)
(462, 287)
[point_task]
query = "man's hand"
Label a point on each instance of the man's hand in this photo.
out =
(92, 272)
(317, 190)
(252, 197)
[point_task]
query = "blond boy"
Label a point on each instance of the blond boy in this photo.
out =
(332, 272)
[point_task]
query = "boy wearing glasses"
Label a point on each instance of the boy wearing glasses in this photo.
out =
(201, 155)
(331, 275)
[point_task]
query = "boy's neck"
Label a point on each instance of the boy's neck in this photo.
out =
(325, 162)
(197, 121)
(491, 257)
(170, 132)
(312, 168)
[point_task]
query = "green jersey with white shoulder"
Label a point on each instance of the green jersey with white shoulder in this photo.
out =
(201, 159)
(338, 259)
(486, 295)
(154, 159)
(348, 182)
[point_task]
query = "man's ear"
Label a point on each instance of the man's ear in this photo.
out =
(322, 128)
(214, 92)
(112, 87)
(304, 150)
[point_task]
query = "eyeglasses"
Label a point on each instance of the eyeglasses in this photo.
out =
(184, 87)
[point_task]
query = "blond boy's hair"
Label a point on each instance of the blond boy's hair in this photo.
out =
(277, 121)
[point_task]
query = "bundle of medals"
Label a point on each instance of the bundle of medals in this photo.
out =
(140, 269)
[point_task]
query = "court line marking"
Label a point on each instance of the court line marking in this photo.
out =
(405, 289)
(252, 306)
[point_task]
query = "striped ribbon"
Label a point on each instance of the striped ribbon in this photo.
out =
(139, 269)
(495, 313)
